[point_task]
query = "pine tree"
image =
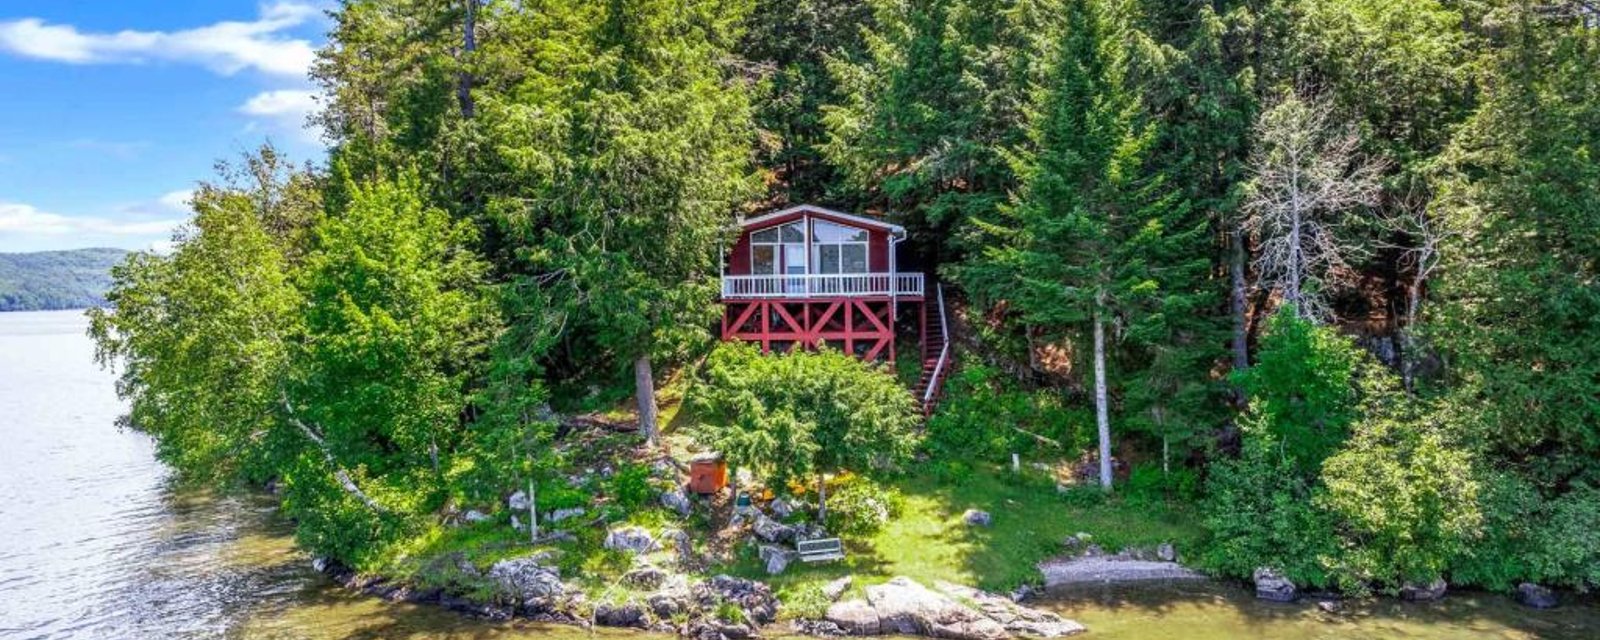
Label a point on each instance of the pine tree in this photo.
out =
(1071, 252)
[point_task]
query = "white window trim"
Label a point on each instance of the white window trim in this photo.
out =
(777, 248)
(815, 254)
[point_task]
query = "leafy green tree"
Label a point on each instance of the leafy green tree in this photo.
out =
(203, 338)
(1301, 390)
(1403, 490)
(795, 415)
(395, 324)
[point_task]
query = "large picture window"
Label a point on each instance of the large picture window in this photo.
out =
(836, 248)
(779, 249)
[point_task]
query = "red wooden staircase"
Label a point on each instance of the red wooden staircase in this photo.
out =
(935, 352)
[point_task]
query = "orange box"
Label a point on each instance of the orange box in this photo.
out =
(707, 474)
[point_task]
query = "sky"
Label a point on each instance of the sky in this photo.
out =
(112, 110)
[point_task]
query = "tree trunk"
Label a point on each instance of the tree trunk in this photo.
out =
(1408, 342)
(1101, 411)
(469, 44)
(645, 393)
(822, 499)
(1241, 324)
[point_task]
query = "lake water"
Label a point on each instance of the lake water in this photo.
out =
(97, 541)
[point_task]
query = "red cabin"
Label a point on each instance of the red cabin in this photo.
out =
(808, 276)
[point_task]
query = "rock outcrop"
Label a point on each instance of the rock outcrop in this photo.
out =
(1271, 585)
(904, 606)
(635, 540)
(1100, 569)
(530, 579)
(1429, 592)
(1536, 596)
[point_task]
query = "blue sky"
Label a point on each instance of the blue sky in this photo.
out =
(110, 111)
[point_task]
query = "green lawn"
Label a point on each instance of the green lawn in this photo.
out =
(930, 542)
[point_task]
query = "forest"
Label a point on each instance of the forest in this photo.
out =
(1319, 274)
(51, 280)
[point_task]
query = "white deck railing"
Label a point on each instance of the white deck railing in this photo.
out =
(822, 285)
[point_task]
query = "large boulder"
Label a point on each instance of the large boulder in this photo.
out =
(777, 558)
(976, 518)
(905, 606)
(1271, 585)
(627, 614)
(754, 598)
(646, 577)
(678, 501)
(1536, 596)
(529, 579)
(518, 501)
(563, 514)
(781, 508)
(635, 540)
(772, 531)
(475, 516)
(855, 617)
(1429, 592)
(1024, 621)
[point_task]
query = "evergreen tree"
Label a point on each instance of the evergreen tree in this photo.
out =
(1076, 250)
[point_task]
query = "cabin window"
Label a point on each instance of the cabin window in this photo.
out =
(778, 249)
(836, 248)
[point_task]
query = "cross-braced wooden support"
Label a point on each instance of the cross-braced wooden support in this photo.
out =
(860, 326)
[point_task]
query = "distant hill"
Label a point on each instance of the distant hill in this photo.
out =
(56, 279)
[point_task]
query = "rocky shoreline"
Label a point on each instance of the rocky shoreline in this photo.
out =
(729, 608)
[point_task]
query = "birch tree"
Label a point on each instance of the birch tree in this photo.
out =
(1308, 173)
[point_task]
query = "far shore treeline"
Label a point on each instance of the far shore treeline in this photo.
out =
(1324, 272)
(56, 280)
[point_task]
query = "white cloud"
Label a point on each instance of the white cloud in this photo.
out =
(286, 109)
(177, 201)
(225, 47)
(24, 219)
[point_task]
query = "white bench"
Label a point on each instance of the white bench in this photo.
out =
(820, 550)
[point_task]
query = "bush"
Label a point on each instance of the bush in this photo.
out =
(630, 487)
(1403, 494)
(859, 507)
(1148, 484)
(1301, 389)
(1259, 512)
(982, 411)
(791, 417)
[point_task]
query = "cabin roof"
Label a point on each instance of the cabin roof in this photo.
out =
(747, 223)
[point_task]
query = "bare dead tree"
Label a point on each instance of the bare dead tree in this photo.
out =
(1420, 237)
(1308, 174)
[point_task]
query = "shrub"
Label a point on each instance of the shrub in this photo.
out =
(1402, 493)
(795, 416)
(1259, 512)
(982, 412)
(1301, 389)
(859, 507)
(630, 487)
(1149, 484)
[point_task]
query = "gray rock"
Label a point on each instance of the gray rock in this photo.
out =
(1033, 623)
(1270, 585)
(627, 614)
(680, 542)
(834, 589)
(769, 530)
(781, 508)
(1166, 553)
(1537, 596)
(855, 617)
(818, 628)
(516, 523)
(1423, 592)
(677, 501)
(563, 514)
(635, 540)
(754, 598)
(976, 518)
(475, 516)
(530, 579)
(777, 558)
(646, 577)
(905, 606)
(734, 631)
(518, 501)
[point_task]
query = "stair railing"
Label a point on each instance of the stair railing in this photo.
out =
(944, 352)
